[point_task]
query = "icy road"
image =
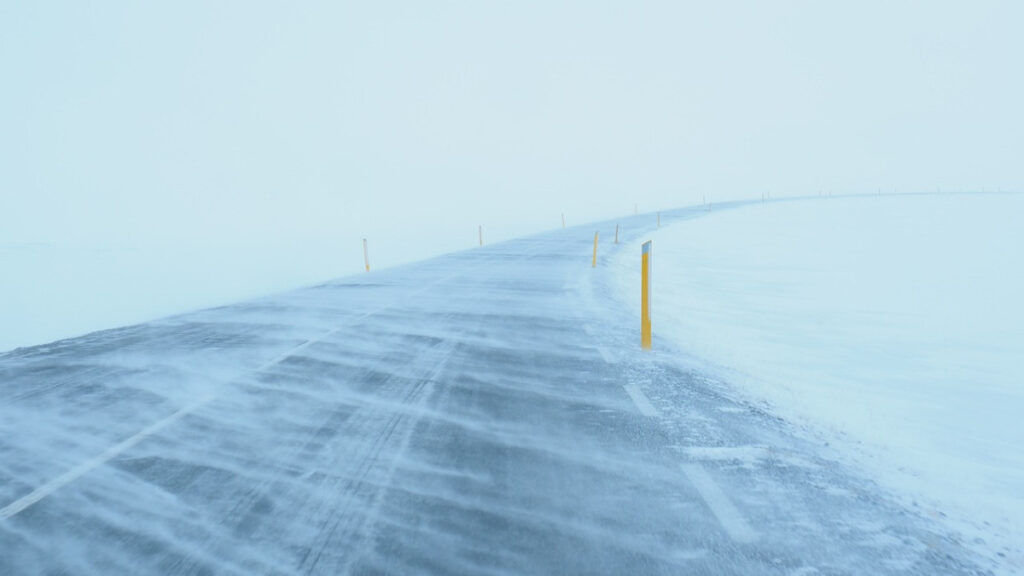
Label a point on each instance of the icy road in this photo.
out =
(485, 412)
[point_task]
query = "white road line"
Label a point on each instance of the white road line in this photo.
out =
(642, 403)
(77, 472)
(723, 509)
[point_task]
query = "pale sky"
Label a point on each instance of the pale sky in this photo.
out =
(412, 122)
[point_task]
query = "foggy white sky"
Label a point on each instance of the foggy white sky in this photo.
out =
(412, 122)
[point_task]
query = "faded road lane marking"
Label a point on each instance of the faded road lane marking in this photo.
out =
(71, 475)
(640, 400)
(723, 509)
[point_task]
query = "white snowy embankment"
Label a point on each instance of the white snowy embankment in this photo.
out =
(893, 325)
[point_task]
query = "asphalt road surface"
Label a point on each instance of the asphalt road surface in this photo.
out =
(485, 412)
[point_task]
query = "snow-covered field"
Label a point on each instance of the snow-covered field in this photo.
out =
(49, 292)
(891, 326)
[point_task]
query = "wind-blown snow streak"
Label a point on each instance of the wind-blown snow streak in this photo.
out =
(83, 468)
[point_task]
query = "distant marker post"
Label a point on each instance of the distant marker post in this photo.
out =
(593, 262)
(616, 233)
(645, 296)
(659, 218)
(563, 219)
(366, 255)
(480, 232)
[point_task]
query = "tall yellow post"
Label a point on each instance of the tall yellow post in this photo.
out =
(645, 297)
(366, 255)
(593, 263)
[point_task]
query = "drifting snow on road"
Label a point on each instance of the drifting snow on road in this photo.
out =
(488, 411)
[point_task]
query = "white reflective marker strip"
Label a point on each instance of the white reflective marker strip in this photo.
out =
(723, 509)
(642, 403)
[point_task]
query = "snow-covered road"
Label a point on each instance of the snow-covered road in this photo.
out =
(485, 412)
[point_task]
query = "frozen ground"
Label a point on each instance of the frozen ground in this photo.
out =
(485, 412)
(891, 326)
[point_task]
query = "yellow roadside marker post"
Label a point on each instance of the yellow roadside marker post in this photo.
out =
(645, 296)
(593, 263)
(366, 256)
